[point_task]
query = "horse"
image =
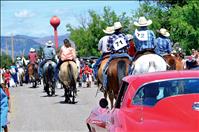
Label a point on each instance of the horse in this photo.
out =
(33, 74)
(68, 76)
(174, 61)
(48, 77)
(21, 75)
(148, 63)
(117, 69)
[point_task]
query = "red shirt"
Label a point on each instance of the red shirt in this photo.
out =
(87, 70)
(131, 50)
(7, 77)
(32, 57)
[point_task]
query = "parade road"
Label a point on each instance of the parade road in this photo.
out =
(32, 110)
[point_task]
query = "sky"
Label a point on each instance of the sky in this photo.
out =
(32, 18)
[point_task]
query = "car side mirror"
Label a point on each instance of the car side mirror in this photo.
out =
(103, 103)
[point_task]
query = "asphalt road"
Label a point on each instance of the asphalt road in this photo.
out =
(33, 111)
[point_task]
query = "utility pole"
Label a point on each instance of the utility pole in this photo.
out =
(6, 50)
(12, 42)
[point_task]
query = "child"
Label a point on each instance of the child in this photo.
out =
(7, 77)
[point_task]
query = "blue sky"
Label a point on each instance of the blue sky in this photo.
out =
(32, 18)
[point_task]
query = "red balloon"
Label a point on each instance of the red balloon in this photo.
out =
(55, 21)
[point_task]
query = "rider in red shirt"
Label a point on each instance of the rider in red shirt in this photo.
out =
(131, 50)
(32, 56)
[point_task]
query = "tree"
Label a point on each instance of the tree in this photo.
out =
(87, 36)
(184, 23)
(5, 60)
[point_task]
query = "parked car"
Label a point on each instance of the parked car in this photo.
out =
(162, 101)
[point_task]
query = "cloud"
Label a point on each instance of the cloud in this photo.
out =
(58, 11)
(24, 14)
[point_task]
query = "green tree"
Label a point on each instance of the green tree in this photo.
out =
(184, 23)
(5, 60)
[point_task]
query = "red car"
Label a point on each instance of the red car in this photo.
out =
(162, 101)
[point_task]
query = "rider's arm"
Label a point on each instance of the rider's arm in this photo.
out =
(74, 53)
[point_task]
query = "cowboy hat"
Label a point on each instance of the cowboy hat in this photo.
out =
(49, 43)
(163, 32)
(109, 30)
(117, 25)
(142, 22)
(18, 58)
(129, 36)
(32, 50)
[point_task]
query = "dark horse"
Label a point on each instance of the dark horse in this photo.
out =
(68, 77)
(33, 74)
(118, 68)
(48, 77)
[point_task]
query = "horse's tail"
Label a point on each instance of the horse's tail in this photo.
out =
(121, 71)
(71, 75)
(50, 70)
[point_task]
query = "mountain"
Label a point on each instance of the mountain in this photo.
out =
(43, 40)
(23, 43)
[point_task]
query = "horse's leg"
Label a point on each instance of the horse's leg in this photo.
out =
(67, 98)
(111, 97)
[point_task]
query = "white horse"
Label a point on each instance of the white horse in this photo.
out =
(148, 63)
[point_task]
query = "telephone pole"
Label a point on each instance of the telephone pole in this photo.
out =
(12, 42)
(6, 50)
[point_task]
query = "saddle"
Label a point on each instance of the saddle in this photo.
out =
(144, 52)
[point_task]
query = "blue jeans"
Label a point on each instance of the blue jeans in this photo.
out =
(96, 65)
(113, 56)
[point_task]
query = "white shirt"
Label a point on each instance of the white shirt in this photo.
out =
(102, 45)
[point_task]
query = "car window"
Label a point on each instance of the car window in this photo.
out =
(149, 94)
(121, 94)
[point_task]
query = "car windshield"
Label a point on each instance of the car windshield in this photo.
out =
(151, 93)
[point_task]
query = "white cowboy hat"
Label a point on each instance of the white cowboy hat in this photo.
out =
(49, 43)
(117, 25)
(109, 30)
(164, 32)
(129, 36)
(32, 50)
(142, 22)
(18, 58)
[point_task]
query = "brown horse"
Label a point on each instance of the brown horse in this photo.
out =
(118, 68)
(33, 74)
(174, 61)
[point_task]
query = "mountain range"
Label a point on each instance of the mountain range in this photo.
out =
(23, 43)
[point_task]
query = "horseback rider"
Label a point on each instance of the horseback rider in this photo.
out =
(19, 62)
(131, 50)
(143, 37)
(67, 53)
(102, 47)
(163, 43)
(118, 45)
(49, 54)
(32, 56)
